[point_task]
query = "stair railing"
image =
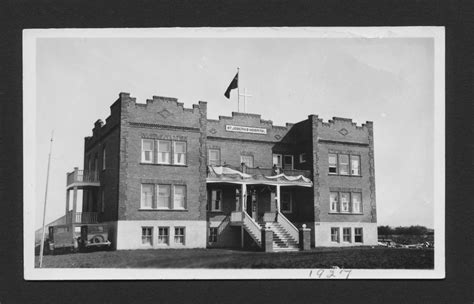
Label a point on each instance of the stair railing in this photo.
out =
(253, 227)
(288, 226)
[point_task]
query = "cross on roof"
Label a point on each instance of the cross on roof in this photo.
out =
(245, 95)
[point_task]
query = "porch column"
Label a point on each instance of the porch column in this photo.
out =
(243, 195)
(74, 205)
(67, 201)
(278, 198)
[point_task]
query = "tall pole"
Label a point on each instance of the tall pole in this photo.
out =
(238, 92)
(45, 200)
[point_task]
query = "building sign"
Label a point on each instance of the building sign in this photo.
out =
(242, 129)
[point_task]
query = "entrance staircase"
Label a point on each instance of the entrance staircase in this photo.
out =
(282, 240)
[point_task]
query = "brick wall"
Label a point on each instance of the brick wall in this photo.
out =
(161, 118)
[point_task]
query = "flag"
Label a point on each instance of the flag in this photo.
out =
(233, 85)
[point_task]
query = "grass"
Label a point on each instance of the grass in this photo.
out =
(360, 257)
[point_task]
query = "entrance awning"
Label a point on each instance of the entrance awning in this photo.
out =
(221, 174)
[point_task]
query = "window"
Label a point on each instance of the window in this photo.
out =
(343, 164)
(356, 202)
(179, 197)
(288, 162)
(358, 235)
(355, 168)
(212, 235)
(179, 153)
(277, 160)
(286, 202)
(334, 201)
(163, 235)
(216, 197)
(164, 152)
(147, 196)
(247, 160)
(335, 235)
(147, 151)
(163, 196)
(332, 164)
(214, 157)
(346, 234)
(147, 236)
(302, 158)
(345, 202)
(103, 158)
(179, 235)
(96, 166)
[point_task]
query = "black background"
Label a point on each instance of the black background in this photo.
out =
(457, 16)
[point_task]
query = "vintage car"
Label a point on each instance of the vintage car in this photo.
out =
(65, 237)
(94, 236)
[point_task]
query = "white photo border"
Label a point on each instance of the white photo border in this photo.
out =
(29, 145)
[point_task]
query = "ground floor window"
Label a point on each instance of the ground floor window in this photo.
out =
(179, 235)
(163, 235)
(358, 235)
(335, 234)
(212, 235)
(147, 236)
(346, 234)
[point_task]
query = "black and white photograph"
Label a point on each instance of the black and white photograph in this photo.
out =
(234, 153)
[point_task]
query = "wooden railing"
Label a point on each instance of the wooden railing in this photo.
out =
(253, 227)
(236, 217)
(82, 218)
(223, 225)
(270, 172)
(78, 176)
(288, 226)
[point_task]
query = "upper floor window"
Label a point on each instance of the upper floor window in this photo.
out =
(288, 162)
(215, 200)
(179, 153)
(247, 160)
(164, 196)
(332, 164)
(345, 202)
(344, 164)
(286, 202)
(179, 197)
(147, 196)
(147, 150)
(214, 158)
(164, 152)
(160, 196)
(355, 164)
(277, 160)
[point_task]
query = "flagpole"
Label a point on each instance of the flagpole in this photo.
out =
(45, 200)
(238, 92)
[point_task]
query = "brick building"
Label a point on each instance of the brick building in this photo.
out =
(164, 176)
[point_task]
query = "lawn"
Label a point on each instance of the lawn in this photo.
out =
(368, 258)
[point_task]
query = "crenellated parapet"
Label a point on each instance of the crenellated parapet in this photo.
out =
(344, 130)
(246, 126)
(161, 111)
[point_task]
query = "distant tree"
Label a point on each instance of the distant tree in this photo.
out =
(384, 230)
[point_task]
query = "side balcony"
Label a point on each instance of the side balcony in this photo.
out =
(80, 178)
(82, 217)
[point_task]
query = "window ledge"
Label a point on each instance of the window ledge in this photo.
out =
(347, 175)
(168, 165)
(146, 209)
(348, 213)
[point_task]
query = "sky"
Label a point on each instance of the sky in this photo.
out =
(389, 81)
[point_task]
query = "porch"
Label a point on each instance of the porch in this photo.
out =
(254, 202)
